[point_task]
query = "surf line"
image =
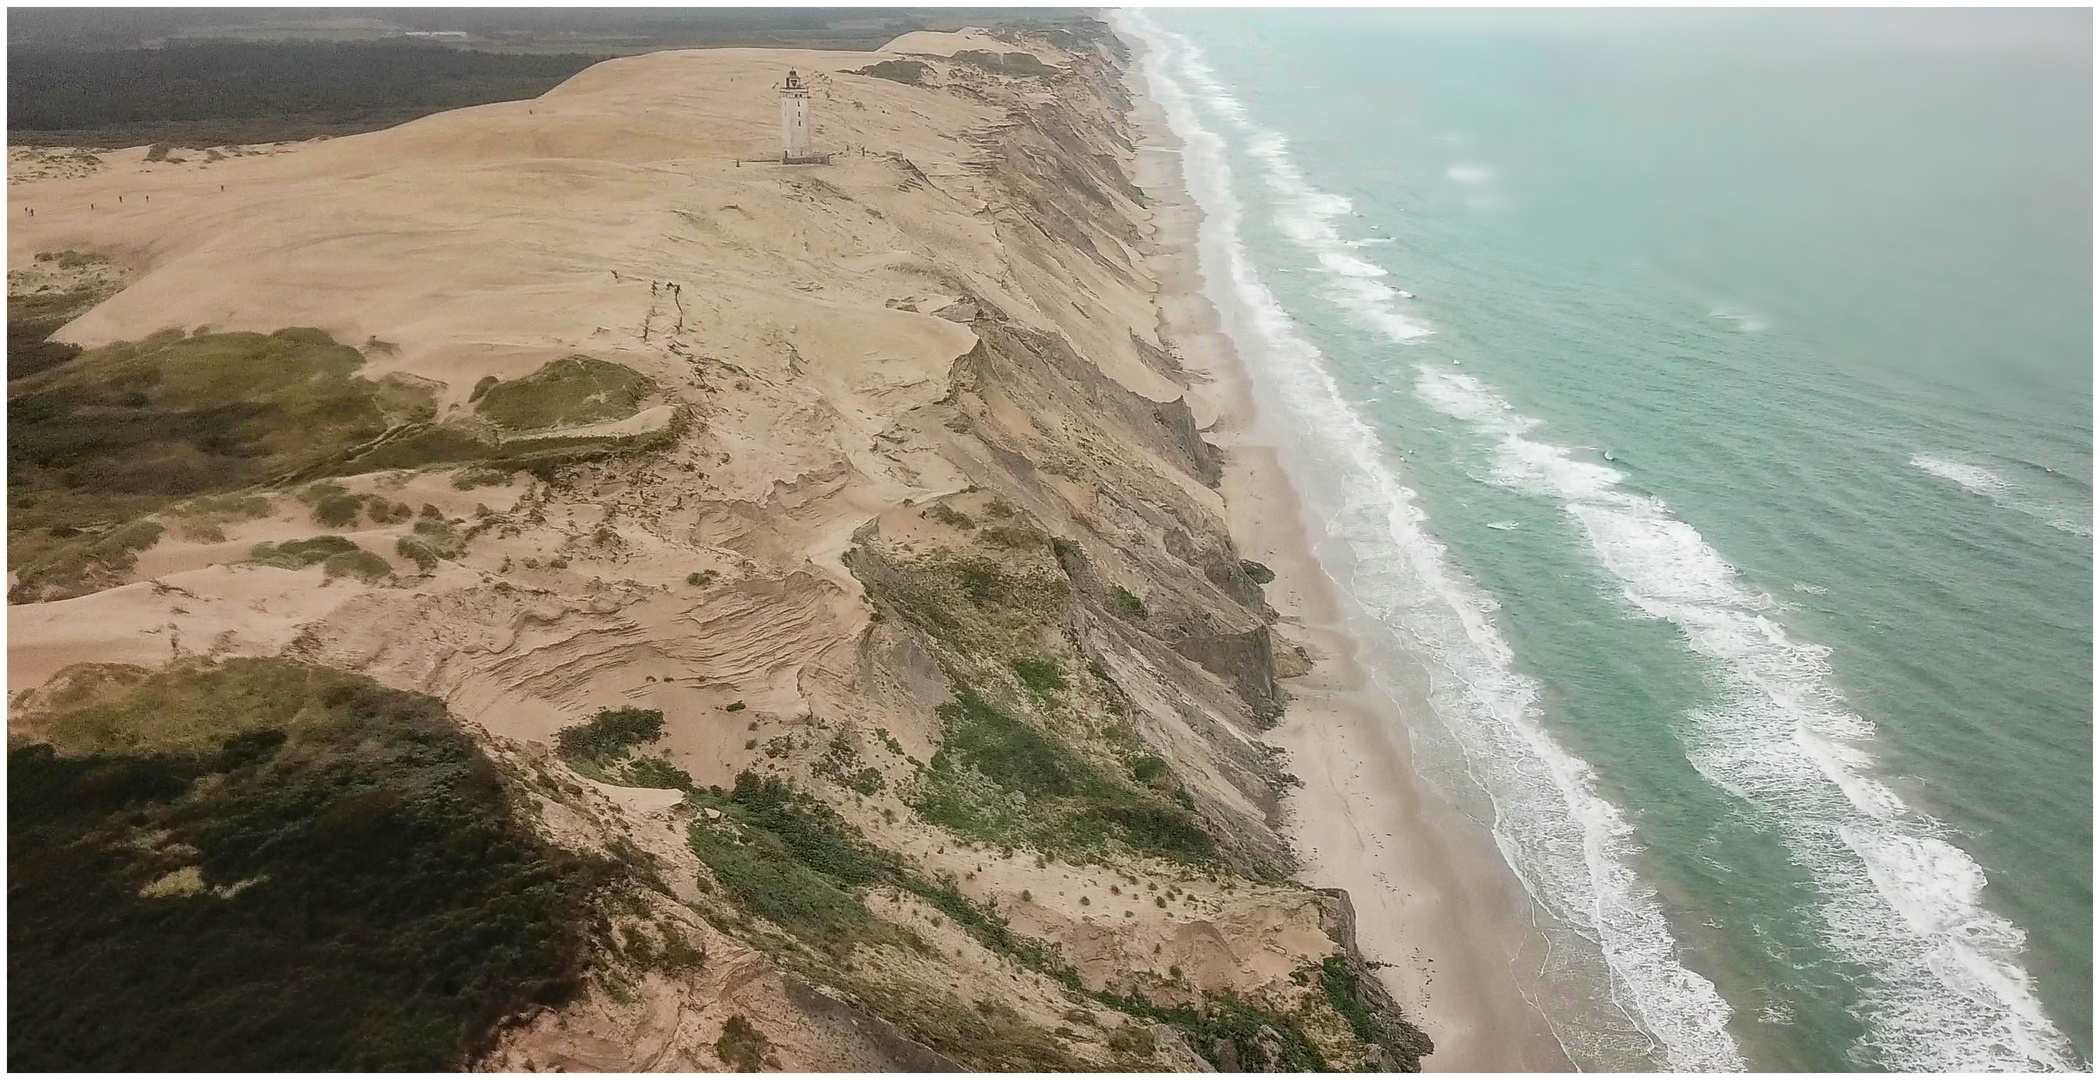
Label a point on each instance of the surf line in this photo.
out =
(1946, 990)
(1572, 848)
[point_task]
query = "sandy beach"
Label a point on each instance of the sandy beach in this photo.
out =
(1435, 906)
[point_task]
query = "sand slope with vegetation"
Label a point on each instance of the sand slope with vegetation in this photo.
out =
(824, 563)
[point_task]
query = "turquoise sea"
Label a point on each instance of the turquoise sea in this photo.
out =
(1696, 407)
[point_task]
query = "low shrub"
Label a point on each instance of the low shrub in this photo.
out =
(908, 72)
(1012, 536)
(1040, 676)
(360, 564)
(742, 1047)
(573, 390)
(610, 735)
(299, 554)
(479, 477)
(949, 516)
(336, 511)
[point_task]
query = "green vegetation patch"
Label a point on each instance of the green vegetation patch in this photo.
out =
(963, 597)
(1232, 1034)
(908, 72)
(949, 516)
(1040, 676)
(360, 564)
(573, 390)
(1040, 764)
(603, 748)
(33, 317)
(1013, 63)
(62, 560)
(265, 866)
(742, 1047)
(204, 518)
(300, 554)
(841, 764)
(791, 859)
(479, 477)
(787, 856)
(1340, 984)
(131, 428)
(1000, 779)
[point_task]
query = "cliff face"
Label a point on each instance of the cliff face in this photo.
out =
(922, 566)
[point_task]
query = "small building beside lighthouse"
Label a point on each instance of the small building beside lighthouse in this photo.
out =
(794, 120)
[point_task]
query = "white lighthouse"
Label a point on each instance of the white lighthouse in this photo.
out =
(794, 120)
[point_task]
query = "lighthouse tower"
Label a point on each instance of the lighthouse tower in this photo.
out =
(794, 120)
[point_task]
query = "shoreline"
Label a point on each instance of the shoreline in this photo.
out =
(1444, 920)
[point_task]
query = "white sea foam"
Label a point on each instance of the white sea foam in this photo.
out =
(1571, 847)
(1947, 990)
(1743, 320)
(1470, 174)
(1350, 266)
(1978, 480)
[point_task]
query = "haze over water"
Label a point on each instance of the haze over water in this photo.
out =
(1698, 406)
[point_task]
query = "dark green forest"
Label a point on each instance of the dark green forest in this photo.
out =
(217, 92)
(214, 76)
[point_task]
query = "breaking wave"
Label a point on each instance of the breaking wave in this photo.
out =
(1573, 849)
(1946, 989)
(1977, 480)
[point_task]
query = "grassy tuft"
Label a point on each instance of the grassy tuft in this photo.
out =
(573, 390)
(360, 564)
(1000, 779)
(299, 554)
(479, 477)
(1040, 676)
(1013, 63)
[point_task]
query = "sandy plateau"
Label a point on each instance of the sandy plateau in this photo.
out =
(968, 337)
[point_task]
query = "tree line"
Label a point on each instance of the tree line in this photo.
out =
(229, 91)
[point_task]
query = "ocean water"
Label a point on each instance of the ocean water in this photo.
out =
(1696, 410)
